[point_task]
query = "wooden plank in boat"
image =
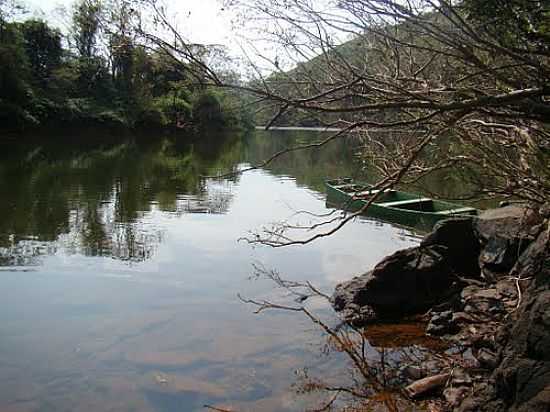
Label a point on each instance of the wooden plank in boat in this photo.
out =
(457, 211)
(398, 203)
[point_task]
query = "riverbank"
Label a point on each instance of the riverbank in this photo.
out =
(112, 133)
(482, 285)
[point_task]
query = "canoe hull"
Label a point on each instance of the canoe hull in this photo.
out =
(394, 206)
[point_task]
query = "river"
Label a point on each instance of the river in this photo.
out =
(120, 270)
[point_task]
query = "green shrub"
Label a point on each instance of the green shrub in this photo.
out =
(175, 109)
(14, 116)
(151, 117)
(207, 109)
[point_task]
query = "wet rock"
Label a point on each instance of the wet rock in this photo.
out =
(441, 324)
(412, 280)
(454, 396)
(407, 282)
(487, 358)
(345, 293)
(358, 315)
(459, 237)
(503, 235)
(516, 354)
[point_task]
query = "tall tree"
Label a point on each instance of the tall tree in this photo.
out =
(14, 68)
(86, 24)
(122, 15)
(43, 49)
(518, 22)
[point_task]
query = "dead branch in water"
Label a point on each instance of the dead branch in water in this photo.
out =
(373, 372)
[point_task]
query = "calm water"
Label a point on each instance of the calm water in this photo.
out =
(120, 269)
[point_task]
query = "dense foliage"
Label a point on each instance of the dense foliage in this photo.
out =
(99, 73)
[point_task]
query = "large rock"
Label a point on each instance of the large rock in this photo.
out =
(412, 280)
(522, 376)
(501, 221)
(459, 237)
(503, 235)
(406, 282)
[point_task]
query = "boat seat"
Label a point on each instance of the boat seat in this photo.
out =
(345, 186)
(420, 201)
(372, 192)
(457, 211)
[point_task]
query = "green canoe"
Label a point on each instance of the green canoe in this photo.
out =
(392, 205)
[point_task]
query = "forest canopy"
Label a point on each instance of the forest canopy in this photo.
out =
(102, 72)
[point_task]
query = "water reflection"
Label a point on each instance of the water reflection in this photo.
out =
(121, 270)
(97, 202)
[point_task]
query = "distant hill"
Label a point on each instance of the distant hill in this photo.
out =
(340, 65)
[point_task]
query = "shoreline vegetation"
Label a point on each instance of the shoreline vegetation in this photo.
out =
(101, 74)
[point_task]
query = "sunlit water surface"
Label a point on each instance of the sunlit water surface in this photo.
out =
(120, 270)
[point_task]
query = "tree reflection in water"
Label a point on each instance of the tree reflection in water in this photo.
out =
(101, 200)
(116, 200)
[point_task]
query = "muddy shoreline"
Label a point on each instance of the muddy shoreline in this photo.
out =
(482, 284)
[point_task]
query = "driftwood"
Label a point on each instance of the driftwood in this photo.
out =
(425, 385)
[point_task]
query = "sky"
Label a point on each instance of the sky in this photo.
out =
(202, 21)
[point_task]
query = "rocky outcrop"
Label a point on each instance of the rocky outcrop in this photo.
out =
(457, 250)
(485, 284)
(460, 238)
(522, 374)
(408, 281)
(412, 280)
(503, 235)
